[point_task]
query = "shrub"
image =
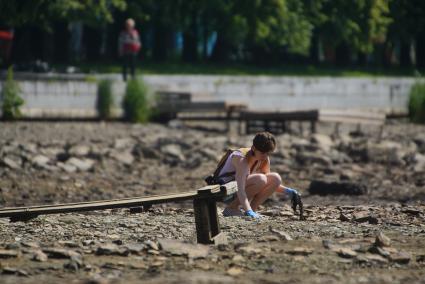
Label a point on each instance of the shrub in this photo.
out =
(135, 103)
(10, 97)
(105, 100)
(417, 103)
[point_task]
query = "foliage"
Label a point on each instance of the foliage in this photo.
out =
(417, 103)
(360, 23)
(242, 30)
(105, 100)
(135, 102)
(10, 97)
(44, 12)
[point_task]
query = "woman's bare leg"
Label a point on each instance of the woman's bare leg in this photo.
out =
(254, 184)
(273, 182)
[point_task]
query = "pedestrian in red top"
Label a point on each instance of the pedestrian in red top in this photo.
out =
(128, 47)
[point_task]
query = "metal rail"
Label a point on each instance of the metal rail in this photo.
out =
(204, 201)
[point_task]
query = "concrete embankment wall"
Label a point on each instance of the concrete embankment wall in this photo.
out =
(75, 95)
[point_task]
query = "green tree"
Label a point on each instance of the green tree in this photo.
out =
(135, 102)
(257, 27)
(417, 103)
(352, 25)
(408, 25)
(105, 100)
(11, 101)
(43, 12)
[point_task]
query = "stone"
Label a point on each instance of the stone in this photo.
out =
(13, 164)
(248, 249)
(111, 249)
(308, 158)
(9, 253)
(151, 244)
(175, 247)
(220, 240)
(70, 244)
(146, 152)
(327, 244)
(379, 250)
(401, 257)
(40, 161)
(419, 165)
(320, 187)
(382, 240)
(79, 150)
(16, 271)
(346, 252)
(343, 217)
(269, 238)
(364, 216)
(420, 258)
(283, 235)
(304, 251)
(371, 258)
(238, 258)
(30, 244)
(174, 151)
(135, 248)
(82, 165)
(125, 157)
(234, 271)
(67, 167)
(323, 141)
(122, 143)
(60, 253)
(386, 152)
(412, 211)
(39, 256)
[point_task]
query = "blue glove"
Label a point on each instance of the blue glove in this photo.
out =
(252, 214)
(290, 192)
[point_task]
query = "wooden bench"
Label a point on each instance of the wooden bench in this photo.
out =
(357, 117)
(275, 122)
(169, 103)
(204, 205)
(172, 105)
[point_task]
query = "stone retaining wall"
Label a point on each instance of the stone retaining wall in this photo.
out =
(75, 95)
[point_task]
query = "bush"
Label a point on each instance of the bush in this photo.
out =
(135, 103)
(417, 103)
(10, 97)
(105, 100)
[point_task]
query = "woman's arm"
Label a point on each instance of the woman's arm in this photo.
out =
(242, 171)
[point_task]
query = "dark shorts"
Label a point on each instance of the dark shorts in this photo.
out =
(229, 199)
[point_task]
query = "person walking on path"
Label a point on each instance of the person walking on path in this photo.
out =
(129, 45)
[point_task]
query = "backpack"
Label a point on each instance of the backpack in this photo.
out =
(215, 178)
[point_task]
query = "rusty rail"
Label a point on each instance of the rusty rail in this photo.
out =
(204, 203)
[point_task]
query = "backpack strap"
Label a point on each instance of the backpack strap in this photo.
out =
(223, 160)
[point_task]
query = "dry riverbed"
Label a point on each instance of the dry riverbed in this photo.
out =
(364, 201)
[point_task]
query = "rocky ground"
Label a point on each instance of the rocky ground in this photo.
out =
(364, 196)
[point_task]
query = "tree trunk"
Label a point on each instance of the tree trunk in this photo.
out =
(221, 49)
(361, 59)
(190, 41)
(61, 42)
(420, 50)
(314, 50)
(342, 54)
(92, 39)
(405, 60)
(159, 51)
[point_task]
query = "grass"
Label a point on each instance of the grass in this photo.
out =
(249, 69)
